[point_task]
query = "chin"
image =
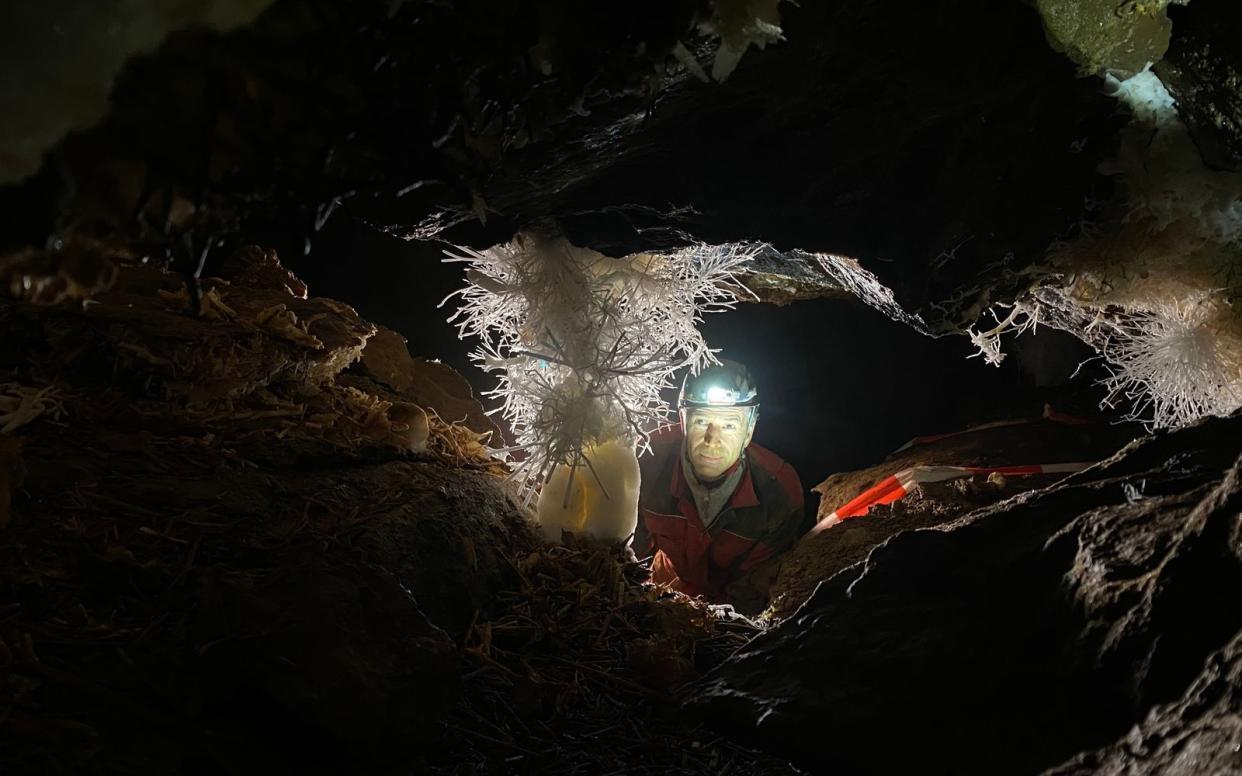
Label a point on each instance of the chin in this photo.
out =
(709, 472)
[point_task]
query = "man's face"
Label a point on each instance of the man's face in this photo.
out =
(715, 438)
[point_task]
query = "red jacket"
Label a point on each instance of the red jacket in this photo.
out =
(762, 519)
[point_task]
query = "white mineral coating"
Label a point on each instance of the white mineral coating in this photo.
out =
(1176, 351)
(598, 498)
(583, 344)
(1164, 175)
(1155, 282)
(1176, 362)
(740, 24)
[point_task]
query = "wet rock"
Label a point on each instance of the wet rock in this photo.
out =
(1015, 637)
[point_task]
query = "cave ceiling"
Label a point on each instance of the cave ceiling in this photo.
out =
(939, 146)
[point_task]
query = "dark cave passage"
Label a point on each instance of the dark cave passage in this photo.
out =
(842, 385)
(260, 512)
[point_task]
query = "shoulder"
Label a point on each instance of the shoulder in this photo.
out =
(668, 435)
(775, 480)
(664, 443)
(657, 465)
(764, 459)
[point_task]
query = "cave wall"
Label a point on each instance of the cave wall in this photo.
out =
(1021, 634)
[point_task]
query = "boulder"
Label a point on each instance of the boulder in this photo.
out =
(1015, 637)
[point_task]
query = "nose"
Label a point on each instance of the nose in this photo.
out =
(712, 432)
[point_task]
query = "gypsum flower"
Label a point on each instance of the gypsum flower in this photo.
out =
(583, 344)
(1173, 362)
(989, 342)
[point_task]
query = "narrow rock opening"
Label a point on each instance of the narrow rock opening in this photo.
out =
(820, 388)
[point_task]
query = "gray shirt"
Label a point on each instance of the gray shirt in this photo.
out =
(710, 500)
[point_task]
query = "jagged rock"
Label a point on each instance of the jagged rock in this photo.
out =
(943, 146)
(277, 581)
(427, 383)
(1203, 70)
(941, 152)
(80, 272)
(1014, 637)
(228, 519)
(180, 561)
(244, 339)
(818, 557)
(254, 267)
(254, 362)
(386, 360)
(783, 278)
(1199, 733)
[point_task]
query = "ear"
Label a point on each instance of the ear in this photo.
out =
(750, 432)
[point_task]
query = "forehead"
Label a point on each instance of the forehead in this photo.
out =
(719, 414)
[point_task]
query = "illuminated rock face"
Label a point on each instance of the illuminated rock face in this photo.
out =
(822, 555)
(1023, 633)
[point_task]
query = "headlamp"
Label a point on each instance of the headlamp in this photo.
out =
(718, 395)
(726, 384)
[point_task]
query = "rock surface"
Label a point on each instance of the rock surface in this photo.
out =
(1203, 70)
(942, 146)
(386, 367)
(175, 561)
(256, 536)
(896, 143)
(818, 557)
(269, 577)
(1199, 733)
(1019, 635)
